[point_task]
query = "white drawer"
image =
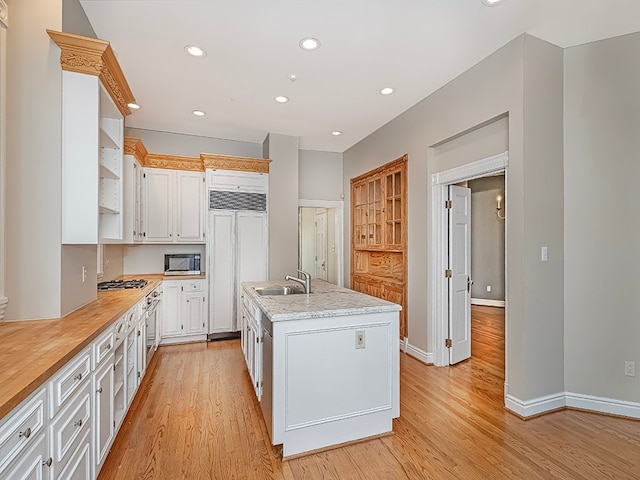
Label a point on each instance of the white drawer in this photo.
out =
(193, 286)
(69, 379)
(31, 464)
(21, 428)
(119, 330)
(231, 180)
(70, 427)
(102, 347)
(132, 318)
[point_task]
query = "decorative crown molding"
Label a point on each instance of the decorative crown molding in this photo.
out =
(229, 162)
(134, 146)
(173, 162)
(4, 14)
(94, 57)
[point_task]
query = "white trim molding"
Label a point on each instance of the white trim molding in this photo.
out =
(487, 302)
(415, 352)
(577, 401)
(4, 24)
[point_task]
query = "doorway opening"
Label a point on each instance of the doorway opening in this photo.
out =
(442, 273)
(320, 240)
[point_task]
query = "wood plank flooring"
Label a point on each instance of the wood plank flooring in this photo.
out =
(196, 417)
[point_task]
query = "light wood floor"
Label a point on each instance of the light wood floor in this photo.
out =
(196, 417)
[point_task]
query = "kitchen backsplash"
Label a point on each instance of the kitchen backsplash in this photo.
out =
(150, 258)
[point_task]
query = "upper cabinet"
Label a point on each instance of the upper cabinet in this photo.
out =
(95, 95)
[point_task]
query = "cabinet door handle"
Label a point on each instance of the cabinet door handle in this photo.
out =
(78, 377)
(26, 433)
(99, 390)
(78, 423)
(48, 462)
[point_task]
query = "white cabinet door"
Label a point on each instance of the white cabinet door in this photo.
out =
(103, 410)
(251, 250)
(79, 467)
(132, 226)
(31, 464)
(159, 205)
(194, 312)
(141, 347)
(171, 309)
(222, 241)
(190, 207)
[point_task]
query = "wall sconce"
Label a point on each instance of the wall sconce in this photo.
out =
(499, 208)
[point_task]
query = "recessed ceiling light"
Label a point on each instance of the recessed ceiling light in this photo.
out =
(135, 106)
(336, 133)
(282, 99)
(387, 91)
(199, 113)
(491, 3)
(309, 44)
(195, 51)
(293, 77)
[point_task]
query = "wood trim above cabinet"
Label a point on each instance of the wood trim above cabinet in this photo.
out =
(134, 146)
(173, 162)
(230, 162)
(92, 56)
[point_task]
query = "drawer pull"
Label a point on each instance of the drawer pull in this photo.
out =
(78, 377)
(48, 462)
(78, 423)
(26, 433)
(99, 390)
(108, 347)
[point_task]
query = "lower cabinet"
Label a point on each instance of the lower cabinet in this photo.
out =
(32, 464)
(184, 305)
(103, 422)
(251, 333)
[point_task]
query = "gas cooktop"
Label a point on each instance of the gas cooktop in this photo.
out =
(121, 284)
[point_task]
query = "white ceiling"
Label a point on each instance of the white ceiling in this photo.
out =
(415, 46)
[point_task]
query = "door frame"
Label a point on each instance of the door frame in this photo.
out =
(438, 291)
(339, 228)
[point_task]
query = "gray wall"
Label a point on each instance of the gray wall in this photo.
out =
(74, 20)
(320, 175)
(602, 145)
(487, 238)
(524, 80)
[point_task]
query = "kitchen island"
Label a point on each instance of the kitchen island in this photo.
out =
(325, 365)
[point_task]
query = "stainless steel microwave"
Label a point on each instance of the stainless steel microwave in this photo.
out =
(182, 264)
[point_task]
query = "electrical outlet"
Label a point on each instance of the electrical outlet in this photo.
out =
(84, 274)
(488, 288)
(360, 339)
(630, 369)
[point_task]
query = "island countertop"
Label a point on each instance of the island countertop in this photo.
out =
(325, 300)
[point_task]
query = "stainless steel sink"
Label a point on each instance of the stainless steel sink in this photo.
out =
(278, 290)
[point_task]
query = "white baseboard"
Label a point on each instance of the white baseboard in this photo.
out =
(417, 353)
(603, 405)
(549, 403)
(487, 302)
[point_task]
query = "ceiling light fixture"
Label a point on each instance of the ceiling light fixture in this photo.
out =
(309, 44)
(336, 133)
(195, 51)
(387, 91)
(282, 99)
(491, 3)
(293, 77)
(134, 106)
(199, 113)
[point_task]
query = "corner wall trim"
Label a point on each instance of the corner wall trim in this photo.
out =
(530, 408)
(415, 352)
(487, 302)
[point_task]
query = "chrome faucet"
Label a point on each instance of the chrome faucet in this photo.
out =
(306, 281)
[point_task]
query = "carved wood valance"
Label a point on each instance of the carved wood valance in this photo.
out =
(94, 57)
(230, 162)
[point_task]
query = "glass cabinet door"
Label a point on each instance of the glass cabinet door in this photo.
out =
(374, 212)
(393, 208)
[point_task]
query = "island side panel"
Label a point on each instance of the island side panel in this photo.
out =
(327, 391)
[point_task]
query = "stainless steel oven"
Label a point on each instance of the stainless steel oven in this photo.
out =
(152, 304)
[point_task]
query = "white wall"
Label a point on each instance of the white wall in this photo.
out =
(283, 205)
(602, 234)
(192, 145)
(112, 262)
(524, 80)
(307, 240)
(140, 259)
(33, 225)
(320, 175)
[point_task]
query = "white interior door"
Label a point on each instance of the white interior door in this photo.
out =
(221, 260)
(460, 280)
(321, 244)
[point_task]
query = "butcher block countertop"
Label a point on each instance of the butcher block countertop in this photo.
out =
(32, 351)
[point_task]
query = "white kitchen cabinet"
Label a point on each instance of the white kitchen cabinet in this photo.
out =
(184, 310)
(174, 205)
(133, 201)
(237, 253)
(103, 422)
(32, 464)
(79, 465)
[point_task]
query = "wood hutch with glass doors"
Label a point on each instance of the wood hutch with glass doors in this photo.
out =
(379, 235)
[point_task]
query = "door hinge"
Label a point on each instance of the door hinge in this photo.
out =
(138, 374)
(448, 343)
(448, 273)
(144, 175)
(114, 367)
(138, 332)
(448, 204)
(181, 327)
(114, 424)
